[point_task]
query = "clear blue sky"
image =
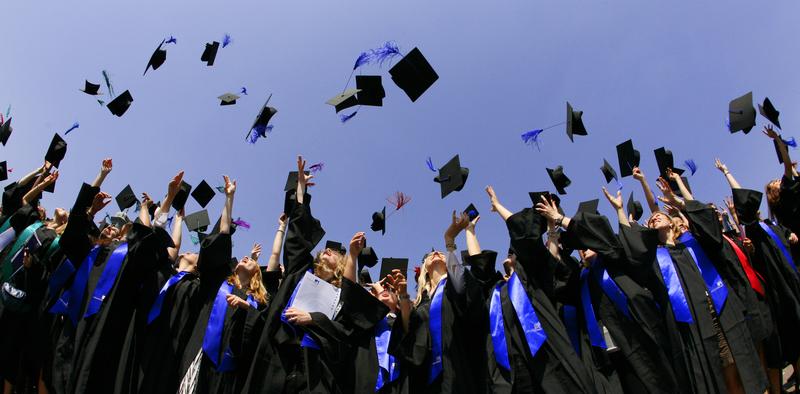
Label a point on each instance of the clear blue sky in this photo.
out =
(660, 73)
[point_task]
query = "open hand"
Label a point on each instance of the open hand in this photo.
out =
(230, 186)
(616, 202)
(357, 243)
(638, 174)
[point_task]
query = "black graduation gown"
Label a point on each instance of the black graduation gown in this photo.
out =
(788, 212)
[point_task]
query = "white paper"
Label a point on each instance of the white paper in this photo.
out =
(7, 237)
(316, 295)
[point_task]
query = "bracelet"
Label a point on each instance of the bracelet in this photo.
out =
(280, 230)
(553, 234)
(559, 221)
(404, 297)
(450, 246)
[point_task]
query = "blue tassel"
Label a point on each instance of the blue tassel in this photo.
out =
(259, 132)
(194, 238)
(363, 58)
(386, 52)
(172, 40)
(8, 111)
(790, 142)
(74, 126)
(691, 166)
(220, 189)
(108, 83)
(244, 91)
(344, 118)
(226, 40)
(429, 162)
(101, 102)
(532, 137)
(728, 123)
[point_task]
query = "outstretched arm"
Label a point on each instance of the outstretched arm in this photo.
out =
(227, 210)
(36, 172)
(728, 176)
(789, 170)
(496, 206)
(173, 188)
(357, 243)
(144, 209)
(277, 243)
(648, 194)
(177, 234)
(105, 169)
(616, 202)
(37, 190)
(473, 247)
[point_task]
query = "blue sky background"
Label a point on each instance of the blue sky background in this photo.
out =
(660, 73)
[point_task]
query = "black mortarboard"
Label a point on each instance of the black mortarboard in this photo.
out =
(56, 151)
(344, 100)
(768, 111)
(228, 99)
(370, 90)
(5, 131)
(367, 257)
(559, 179)
(291, 182)
(389, 264)
(634, 208)
(364, 277)
(126, 198)
(628, 158)
(472, 212)
(91, 89)
(413, 74)
(183, 194)
(588, 206)
(118, 220)
(157, 59)
(746, 203)
(536, 198)
(608, 171)
(574, 123)
(210, 53)
(197, 221)
(3, 171)
(778, 150)
(263, 117)
(203, 193)
(379, 221)
(335, 246)
(452, 176)
(121, 103)
(665, 161)
(741, 114)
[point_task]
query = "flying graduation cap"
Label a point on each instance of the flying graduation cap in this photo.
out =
(574, 123)
(608, 171)
(452, 176)
(157, 59)
(197, 221)
(665, 161)
(367, 257)
(344, 100)
(183, 194)
(559, 179)
(210, 53)
(120, 104)
(56, 151)
(588, 206)
(3, 170)
(471, 212)
(628, 158)
(5, 131)
(126, 198)
(228, 99)
(634, 208)
(413, 74)
(261, 125)
(370, 90)
(203, 193)
(91, 89)
(379, 221)
(742, 115)
(389, 264)
(768, 111)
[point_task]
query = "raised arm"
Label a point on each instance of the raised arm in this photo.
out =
(227, 210)
(173, 188)
(648, 194)
(788, 167)
(357, 243)
(616, 203)
(303, 180)
(37, 190)
(496, 206)
(105, 169)
(455, 270)
(277, 243)
(728, 176)
(144, 209)
(36, 172)
(473, 247)
(687, 195)
(177, 234)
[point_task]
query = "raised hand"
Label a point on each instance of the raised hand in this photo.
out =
(146, 201)
(255, 252)
(616, 202)
(471, 225)
(720, 166)
(729, 204)
(282, 220)
(51, 178)
(457, 224)
(770, 132)
(638, 174)
(230, 186)
(492, 198)
(106, 166)
(174, 185)
(357, 243)
(548, 209)
(99, 202)
(302, 178)
(672, 175)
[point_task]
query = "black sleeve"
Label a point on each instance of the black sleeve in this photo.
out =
(75, 240)
(592, 231)
(483, 271)
(360, 309)
(640, 244)
(525, 229)
(271, 281)
(704, 225)
(12, 197)
(24, 217)
(214, 261)
(747, 203)
(300, 236)
(413, 346)
(143, 248)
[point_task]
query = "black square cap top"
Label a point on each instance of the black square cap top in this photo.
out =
(665, 161)
(291, 182)
(413, 74)
(472, 212)
(126, 198)
(608, 171)
(5, 131)
(536, 198)
(264, 115)
(121, 103)
(452, 176)
(3, 171)
(559, 179)
(56, 151)
(768, 111)
(197, 221)
(634, 208)
(371, 90)
(364, 278)
(335, 246)
(379, 221)
(203, 193)
(367, 257)
(210, 53)
(628, 158)
(228, 99)
(157, 59)
(344, 100)
(183, 194)
(91, 89)
(588, 206)
(741, 114)
(778, 150)
(388, 264)
(574, 123)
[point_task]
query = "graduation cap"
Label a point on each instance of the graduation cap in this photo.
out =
(768, 111)
(574, 123)
(746, 203)
(742, 114)
(118, 220)
(778, 150)
(452, 176)
(3, 171)
(634, 208)
(559, 179)
(228, 99)
(364, 277)
(121, 103)
(262, 121)
(335, 246)
(344, 100)
(413, 74)
(367, 257)
(5, 131)
(210, 53)
(608, 171)
(197, 221)
(157, 59)
(91, 89)
(183, 194)
(291, 181)
(370, 90)
(203, 193)
(628, 158)
(536, 197)
(379, 221)
(666, 162)
(51, 188)
(588, 206)
(56, 151)
(472, 212)
(389, 264)
(126, 198)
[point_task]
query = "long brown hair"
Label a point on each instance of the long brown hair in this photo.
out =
(672, 225)
(255, 288)
(336, 274)
(773, 197)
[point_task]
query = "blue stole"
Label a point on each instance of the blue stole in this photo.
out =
(107, 279)
(612, 290)
(571, 324)
(307, 340)
(70, 300)
(714, 284)
(497, 329)
(596, 337)
(59, 278)
(155, 310)
(534, 333)
(212, 340)
(435, 327)
(778, 242)
(677, 298)
(388, 370)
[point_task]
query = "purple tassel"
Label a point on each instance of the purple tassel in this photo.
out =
(429, 162)
(226, 40)
(790, 142)
(387, 52)
(344, 118)
(241, 223)
(74, 126)
(244, 91)
(108, 83)
(315, 168)
(532, 137)
(171, 40)
(363, 58)
(690, 164)
(259, 132)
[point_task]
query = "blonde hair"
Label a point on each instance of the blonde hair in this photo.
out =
(773, 197)
(672, 225)
(335, 274)
(255, 288)
(425, 283)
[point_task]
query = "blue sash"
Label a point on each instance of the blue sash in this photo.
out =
(596, 337)
(680, 306)
(155, 310)
(714, 284)
(612, 290)
(59, 277)
(571, 324)
(497, 329)
(435, 326)
(306, 341)
(72, 298)
(778, 242)
(388, 370)
(212, 340)
(534, 333)
(107, 279)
